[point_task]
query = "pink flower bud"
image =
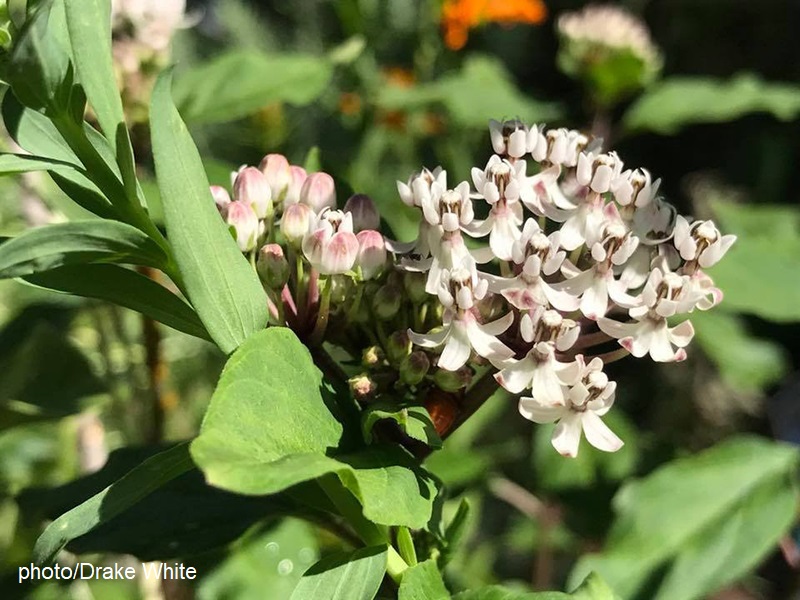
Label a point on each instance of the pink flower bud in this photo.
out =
(372, 356)
(272, 266)
(221, 198)
(365, 214)
(371, 253)
(298, 177)
(278, 173)
(252, 187)
(318, 192)
(362, 387)
(295, 223)
(243, 220)
(339, 254)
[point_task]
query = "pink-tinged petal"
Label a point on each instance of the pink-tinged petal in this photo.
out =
(682, 334)
(340, 254)
(431, 339)
(567, 435)
(456, 351)
(598, 434)
(534, 411)
(517, 375)
(594, 302)
(498, 326)
(660, 348)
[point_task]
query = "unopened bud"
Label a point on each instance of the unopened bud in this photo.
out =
(243, 220)
(365, 214)
(295, 223)
(362, 387)
(278, 173)
(372, 357)
(386, 302)
(452, 381)
(297, 177)
(371, 253)
(414, 284)
(318, 192)
(338, 254)
(414, 367)
(221, 198)
(272, 266)
(398, 346)
(252, 188)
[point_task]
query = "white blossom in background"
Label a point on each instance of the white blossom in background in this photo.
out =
(149, 22)
(554, 261)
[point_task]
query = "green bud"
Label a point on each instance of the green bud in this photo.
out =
(386, 302)
(398, 346)
(372, 357)
(453, 381)
(272, 266)
(414, 367)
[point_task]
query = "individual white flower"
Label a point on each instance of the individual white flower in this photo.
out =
(543, 196)
(419, 186)
(538, 255)
(461, 332)
(584, 223)
(649, 333)
(701, 241)
(331, 246)
(499, 185)
(540, 370)
(598, 171)
(509, 138)
(588, 399)
(634, 188)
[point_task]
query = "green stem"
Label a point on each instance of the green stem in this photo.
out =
(322, 313)
(395, 565)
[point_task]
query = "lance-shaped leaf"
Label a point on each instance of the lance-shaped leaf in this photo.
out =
(93, 241)
(220, 283)
(269, 427)
(112, 501)
(124, 287)
(344, 576)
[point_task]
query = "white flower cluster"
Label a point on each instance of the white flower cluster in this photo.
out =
(149, 22)
(584, 251)
(610, 26)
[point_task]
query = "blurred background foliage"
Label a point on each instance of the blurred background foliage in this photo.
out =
(377, 90)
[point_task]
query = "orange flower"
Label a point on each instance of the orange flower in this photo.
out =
(459, 16)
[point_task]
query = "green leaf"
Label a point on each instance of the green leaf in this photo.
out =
(13, 164)
(344, 576)
(690, 500)
(181, 518)
(413, 420)
(52, 246)
(594, 588)
(240, 82)
(39, 68)
(269, 427)
(89, 26)
(498, 592)
(463, 94)
(222, 286)
(746, 363)
(124, 287)
(677, 102)
(423, 582)
(112, 501)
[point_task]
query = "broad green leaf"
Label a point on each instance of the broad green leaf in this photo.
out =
(746, 362)
(124, 287)
(463, 94)
(661, 516)
(44, 375)
(677, 102)
(240, 82)
(344, 576)
(757, 220)
(423, 582)
(222, 286)
(38, 69)
(269, 427)
(13, 164)
(89, 26)
(737, 544)
(594, 588)
(184, 517)
(52, 246)
(112, 501)
(413, 420)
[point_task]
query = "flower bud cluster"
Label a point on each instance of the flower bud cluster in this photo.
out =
(554, 260)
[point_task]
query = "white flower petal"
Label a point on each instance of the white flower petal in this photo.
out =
(598, 434)
(567, 435)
